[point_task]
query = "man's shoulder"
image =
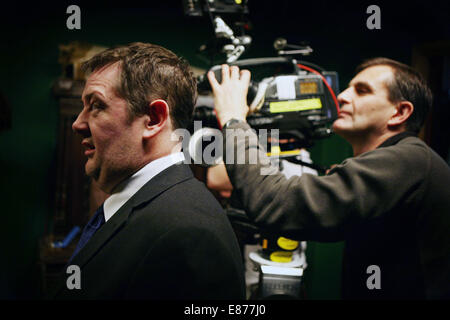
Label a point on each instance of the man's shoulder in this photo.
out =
(412, 141)
(407, 148)
(410, 155)
(186, 208)
(420, 151)
(413, 148)
(192, 189)
(187, 199)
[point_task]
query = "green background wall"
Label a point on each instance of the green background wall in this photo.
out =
(28, 66)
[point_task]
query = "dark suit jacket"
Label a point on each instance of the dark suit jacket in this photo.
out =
(171, 240)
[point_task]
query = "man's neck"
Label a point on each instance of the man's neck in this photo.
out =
(145, 162)
(152, 155)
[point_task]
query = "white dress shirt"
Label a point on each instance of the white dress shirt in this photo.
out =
(132, 185)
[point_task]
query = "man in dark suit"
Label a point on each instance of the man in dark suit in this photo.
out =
(160, 234)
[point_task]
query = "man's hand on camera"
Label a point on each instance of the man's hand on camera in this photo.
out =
(230, 96)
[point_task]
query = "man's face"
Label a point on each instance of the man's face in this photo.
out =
(364, 106)
(113, 143)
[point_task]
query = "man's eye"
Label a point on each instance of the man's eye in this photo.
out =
(97, 106)
(362, 90)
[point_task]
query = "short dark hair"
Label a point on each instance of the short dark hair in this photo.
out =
(150, 72)
(407, 85)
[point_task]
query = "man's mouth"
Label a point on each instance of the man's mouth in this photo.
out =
(343, 113)
(90, 148)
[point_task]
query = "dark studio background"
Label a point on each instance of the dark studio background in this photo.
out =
(414, 32)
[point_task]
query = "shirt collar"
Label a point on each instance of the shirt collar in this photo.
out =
(394, 139)
(131, 185)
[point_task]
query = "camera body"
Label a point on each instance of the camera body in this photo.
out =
(282, 95)
(196, 8)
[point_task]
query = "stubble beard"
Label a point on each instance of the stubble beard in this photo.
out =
(108, 174)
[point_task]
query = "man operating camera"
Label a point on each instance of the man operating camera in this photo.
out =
(390, 202)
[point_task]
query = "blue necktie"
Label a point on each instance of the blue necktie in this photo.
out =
(92, 226)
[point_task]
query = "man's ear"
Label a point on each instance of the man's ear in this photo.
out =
(157, 117)
(403, 110)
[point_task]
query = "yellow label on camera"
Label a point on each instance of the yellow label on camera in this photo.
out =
(295, 105)
(294, 152)
(281, 256)
(287, 244)
(274, 150)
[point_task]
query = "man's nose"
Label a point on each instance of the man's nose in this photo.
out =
(80, 125)
(344, 96)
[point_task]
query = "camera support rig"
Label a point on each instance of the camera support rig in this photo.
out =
(296, 97)
(225, 40)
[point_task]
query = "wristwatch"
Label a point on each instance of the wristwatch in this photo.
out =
(230, 122)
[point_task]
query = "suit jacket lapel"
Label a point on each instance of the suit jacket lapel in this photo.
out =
(157, 185)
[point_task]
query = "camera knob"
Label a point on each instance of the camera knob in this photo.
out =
(279, 43)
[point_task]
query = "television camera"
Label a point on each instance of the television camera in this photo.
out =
(294, 96)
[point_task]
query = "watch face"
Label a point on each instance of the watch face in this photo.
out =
(230, 122)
